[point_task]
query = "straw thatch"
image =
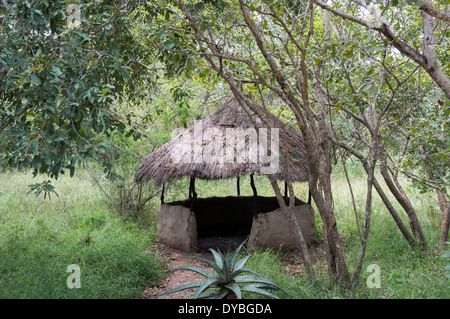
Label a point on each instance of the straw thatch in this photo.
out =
(208, 150)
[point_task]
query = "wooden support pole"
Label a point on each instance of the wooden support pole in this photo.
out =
(238, 187)
(192, 193)
(162, 195)
(285, 189)
(255, 195)
(252, 184)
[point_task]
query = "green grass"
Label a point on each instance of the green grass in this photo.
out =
(40, 238)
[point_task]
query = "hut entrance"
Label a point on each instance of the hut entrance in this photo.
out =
(225, 222)
(221, 222)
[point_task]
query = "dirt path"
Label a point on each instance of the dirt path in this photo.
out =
(176, 258)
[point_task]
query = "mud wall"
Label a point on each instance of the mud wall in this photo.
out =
(179, 226)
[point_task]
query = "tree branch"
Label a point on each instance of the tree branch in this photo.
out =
(439, 77)
(432, 11)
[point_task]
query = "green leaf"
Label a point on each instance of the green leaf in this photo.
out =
(209, 294)
(219, 258)
(35, 148)
(235, 254)
(257, 280)
(184, 287)
(209, 263)
(169, 44)
(256, 289)
(84, 36)
(160, 33)
(205, 285)
(242, 262)
(235, 289)
(198, 270)
(35, 80)
(161, 3)
(242, 270)
(56, 71)
(394, 3)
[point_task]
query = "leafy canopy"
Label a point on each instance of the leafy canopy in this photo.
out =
(61, 67)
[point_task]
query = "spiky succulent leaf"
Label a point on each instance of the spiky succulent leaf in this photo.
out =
(257, 290)
(235, 254)
(220, 260)
(210, 263)
(209, 294)
(223, 292)
(237, 272)
(256, 280)
(198, 270)
(242, 262)
(235, 289)
(184, 287)
(205, 285)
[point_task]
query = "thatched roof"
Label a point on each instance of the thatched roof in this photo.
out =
(208, 150)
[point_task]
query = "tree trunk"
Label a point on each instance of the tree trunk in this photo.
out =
(445, 208)
(404, 201)
(444, 203)
(294, 227)
(409, 238)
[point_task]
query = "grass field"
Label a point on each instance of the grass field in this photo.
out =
(40, 238)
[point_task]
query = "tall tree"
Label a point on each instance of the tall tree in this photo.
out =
(61, 66)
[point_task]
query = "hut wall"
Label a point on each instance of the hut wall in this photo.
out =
(271, 230)
(179, 227)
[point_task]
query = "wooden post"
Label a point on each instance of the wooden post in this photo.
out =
(192, 193)
(285, 189)
(238, 187)
(190, 189)
(255, 195)
(162, 195)
(252, 184)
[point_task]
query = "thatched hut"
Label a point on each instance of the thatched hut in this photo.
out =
(226, 145)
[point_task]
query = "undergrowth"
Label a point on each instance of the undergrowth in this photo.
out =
(40, 238)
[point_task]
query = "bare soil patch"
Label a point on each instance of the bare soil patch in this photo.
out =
(176, 258)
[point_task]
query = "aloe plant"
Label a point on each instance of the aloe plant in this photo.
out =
(229, 280)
